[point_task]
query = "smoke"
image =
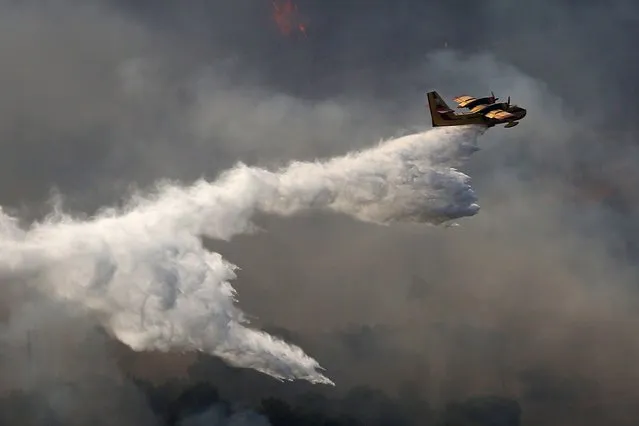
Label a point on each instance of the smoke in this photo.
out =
(144, 273)
(42, 380)
(217, 416)
(534, 298)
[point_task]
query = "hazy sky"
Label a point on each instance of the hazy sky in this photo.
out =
(101, 95)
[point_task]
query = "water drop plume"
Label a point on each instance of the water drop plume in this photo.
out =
(144, 274)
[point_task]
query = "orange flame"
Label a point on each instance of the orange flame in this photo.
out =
(287, 17)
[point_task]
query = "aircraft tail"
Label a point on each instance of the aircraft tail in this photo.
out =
(442, 115)
(438, 109)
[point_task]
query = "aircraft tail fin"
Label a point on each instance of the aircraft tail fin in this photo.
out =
(438, 109)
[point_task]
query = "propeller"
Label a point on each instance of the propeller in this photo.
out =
(508, 101)
(492, 95)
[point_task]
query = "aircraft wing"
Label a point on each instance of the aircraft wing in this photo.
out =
(463, 100)
(498, 114)
(478, 108)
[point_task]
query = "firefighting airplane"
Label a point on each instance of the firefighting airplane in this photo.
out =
(483, 111)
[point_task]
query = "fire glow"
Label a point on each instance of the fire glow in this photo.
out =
(287, 18)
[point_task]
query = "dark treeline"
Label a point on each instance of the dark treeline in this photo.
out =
(175, 404)
(361, 406)
(195, 400)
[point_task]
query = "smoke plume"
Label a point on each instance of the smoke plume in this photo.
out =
(143, 272)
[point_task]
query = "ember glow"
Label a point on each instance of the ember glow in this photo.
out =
(287, 17)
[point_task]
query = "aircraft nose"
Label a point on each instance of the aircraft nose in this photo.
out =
(523, 113)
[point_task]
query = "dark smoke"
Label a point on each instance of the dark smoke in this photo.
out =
(530, 305)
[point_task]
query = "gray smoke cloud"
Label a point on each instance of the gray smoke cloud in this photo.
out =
(216, 416)
(532, 298)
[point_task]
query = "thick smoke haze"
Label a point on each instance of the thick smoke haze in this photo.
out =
(534, 298)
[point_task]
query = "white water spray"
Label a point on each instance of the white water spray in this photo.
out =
(144, 273)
